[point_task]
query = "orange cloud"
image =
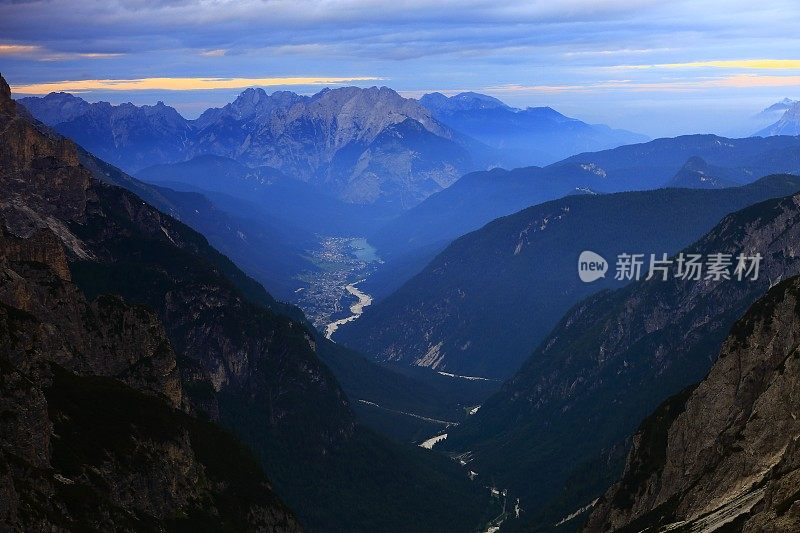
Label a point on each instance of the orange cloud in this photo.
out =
(177, 84)
(18, 49)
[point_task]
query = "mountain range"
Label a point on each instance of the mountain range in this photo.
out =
(480, 197)
(557, 432)
(523, 137)
(481, 305)
(363, 146)
(124, 135)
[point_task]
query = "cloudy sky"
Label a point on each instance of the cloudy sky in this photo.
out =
(656, 67)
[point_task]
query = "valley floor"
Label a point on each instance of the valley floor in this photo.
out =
(327, 297)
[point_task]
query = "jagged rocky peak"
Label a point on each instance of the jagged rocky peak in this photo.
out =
(334, 139)
(56, 108)
(160, 108)
(252, 95)
(254, 101)
(252, 104)
(360, 113)
(353, 112)
(728, 451)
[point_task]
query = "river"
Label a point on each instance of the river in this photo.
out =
(363, 300)
(328, 293)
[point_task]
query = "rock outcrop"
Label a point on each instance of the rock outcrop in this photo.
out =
(726, 453)
(93, 435)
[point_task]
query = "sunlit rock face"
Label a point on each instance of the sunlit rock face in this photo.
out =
(727, 452)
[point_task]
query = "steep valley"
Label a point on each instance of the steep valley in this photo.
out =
(236, 359)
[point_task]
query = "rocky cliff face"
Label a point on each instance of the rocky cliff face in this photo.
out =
(130, 346)
(93, 433)
(727, 452)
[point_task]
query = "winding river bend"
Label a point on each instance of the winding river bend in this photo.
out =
(330, 295)
(356, 309)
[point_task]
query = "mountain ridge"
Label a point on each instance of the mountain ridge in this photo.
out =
(349, 140)
(523, 137)
(480, 197)
(608, 364)
(482, 303)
